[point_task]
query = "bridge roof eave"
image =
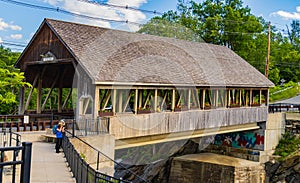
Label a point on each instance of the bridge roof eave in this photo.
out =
(117, 85)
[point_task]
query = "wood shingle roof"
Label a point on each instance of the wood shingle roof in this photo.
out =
(113, 56)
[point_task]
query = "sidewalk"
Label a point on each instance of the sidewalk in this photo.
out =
(48, 166)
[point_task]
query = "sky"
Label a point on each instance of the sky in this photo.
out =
(19, 21)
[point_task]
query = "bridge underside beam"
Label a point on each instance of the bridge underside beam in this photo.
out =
(154, 139)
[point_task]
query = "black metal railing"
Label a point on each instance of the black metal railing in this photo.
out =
(87, 127)
(25, 162)
(9, 138)
(81, 170)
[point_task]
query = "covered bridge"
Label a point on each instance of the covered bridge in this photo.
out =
(181, 85)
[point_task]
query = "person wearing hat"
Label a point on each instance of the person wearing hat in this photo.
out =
(59, 135)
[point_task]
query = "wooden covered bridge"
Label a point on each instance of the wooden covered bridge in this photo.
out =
(148, 86)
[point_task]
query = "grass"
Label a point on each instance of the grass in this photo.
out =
(289, 90)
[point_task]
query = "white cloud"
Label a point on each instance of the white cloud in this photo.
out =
(4, 25)
(16, 36)
(288, 15)
(131, 3)
(1, 40)
(105, 12)
(15, 27)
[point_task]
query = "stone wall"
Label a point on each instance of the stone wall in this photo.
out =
(103, 143)
(274, 130)
(207, 167)
(243, 153)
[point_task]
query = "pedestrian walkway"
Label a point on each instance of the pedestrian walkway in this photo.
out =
(48, 166)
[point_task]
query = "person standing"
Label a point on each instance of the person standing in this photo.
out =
(59, 136)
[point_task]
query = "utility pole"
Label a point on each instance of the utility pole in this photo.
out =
(268, 55)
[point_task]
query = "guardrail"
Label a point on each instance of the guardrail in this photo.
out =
(9, 138)
(87, 127)
(81, 170)
(25, 162)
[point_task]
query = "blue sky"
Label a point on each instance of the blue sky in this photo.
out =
(19, 23)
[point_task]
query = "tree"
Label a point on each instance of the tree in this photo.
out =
(162, 27)
(229, 23)
(11, 79)
(294, 34)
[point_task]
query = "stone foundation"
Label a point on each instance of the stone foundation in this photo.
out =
(208, 167)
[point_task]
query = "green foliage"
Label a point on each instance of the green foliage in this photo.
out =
(231, 24)
(11, 79)
(287, 145)
(162, 27)
(82, 155)
(286, 91)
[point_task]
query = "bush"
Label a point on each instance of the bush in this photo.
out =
(287, 145)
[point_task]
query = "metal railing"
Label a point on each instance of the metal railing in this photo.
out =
(10, 143)
(25, 162)
(87, 127)
(81, 170)
(9, 138)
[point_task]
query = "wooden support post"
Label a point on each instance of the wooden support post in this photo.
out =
(203, 98)
(120, 100)
(240, 98)
(267, 97)
(136, 97)
(114, 102)
(140, 98)
(59, 105)
(21, 100)
(39, 94)
(173, 99)
(189, 99)
(155, 100)
(39, 97)
(97, 101)
(216, 98)
(260, 97)
(251, 97)
(226, 98)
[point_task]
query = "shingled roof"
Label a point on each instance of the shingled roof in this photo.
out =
(113, 56)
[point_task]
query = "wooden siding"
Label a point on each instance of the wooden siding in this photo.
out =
(44, 41)
(129, 126)
(31, 61)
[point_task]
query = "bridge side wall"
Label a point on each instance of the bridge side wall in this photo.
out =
(128, 126)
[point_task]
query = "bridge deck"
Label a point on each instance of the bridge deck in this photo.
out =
(48, 166)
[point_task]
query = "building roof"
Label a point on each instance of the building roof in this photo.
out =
(113, 56)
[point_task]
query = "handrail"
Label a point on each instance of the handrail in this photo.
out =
(99, 152)
(25, 161)
(6, 140)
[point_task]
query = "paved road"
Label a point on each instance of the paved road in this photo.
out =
(48, 166)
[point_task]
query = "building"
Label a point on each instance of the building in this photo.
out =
(147, 85)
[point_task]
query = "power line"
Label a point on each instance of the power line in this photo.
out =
(121, 7)
(13, 44)
(60, 10)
